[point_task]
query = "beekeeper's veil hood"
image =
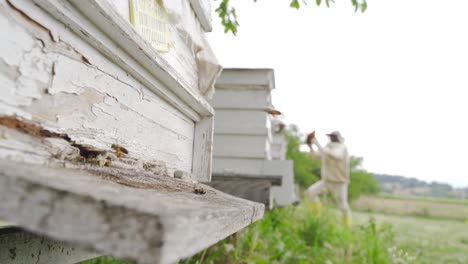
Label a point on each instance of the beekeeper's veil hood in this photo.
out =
(338, 135)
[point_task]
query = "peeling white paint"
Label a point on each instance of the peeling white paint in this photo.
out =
(98, 104)
(23, 74)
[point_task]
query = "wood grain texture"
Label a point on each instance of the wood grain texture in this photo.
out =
(149, 224)
(18, 247)
(203, 150)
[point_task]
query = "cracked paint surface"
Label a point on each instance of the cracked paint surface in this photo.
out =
(71, 88)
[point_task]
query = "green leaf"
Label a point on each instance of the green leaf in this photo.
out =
(363, 7)
(228, 17)
(355, 4)
(294, 4)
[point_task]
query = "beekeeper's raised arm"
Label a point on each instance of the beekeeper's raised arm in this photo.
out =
(338, 151)
(311, 140)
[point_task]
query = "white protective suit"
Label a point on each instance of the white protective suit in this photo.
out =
(335, 174)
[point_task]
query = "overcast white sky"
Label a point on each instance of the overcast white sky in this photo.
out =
(393, 80)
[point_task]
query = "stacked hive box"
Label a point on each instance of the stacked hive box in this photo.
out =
(242, 163)
(103, 102)
(285, 194)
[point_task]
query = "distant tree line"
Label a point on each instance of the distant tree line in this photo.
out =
(394, 184)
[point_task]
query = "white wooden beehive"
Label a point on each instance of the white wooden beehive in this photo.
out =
(95, 119)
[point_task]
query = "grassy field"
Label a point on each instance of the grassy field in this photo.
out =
(434, 230)
(410, 206)
(430, 240)
(427, 199)
(429, 230)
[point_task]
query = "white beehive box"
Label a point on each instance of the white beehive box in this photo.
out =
(243, 126)
(285, 194)
(279, 145)
(96, 116)
(242, 134)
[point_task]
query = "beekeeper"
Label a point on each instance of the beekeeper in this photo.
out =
(334, 173)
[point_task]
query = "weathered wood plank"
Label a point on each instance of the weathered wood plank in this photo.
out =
(18, 247)
(241, 146)
(94, 100)
(143, 125)
(112, 35)
(203, 150)
(177, 68)
(92, 106)
(257, 190)
(159, 220)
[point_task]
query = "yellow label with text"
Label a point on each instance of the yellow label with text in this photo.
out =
(151, 20)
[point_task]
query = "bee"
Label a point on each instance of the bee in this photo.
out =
(199, 190)
(273, 112)
(119, 150)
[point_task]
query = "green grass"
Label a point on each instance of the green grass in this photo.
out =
(431, 240)
(295, 235)
(426, 208)
(424, 199)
